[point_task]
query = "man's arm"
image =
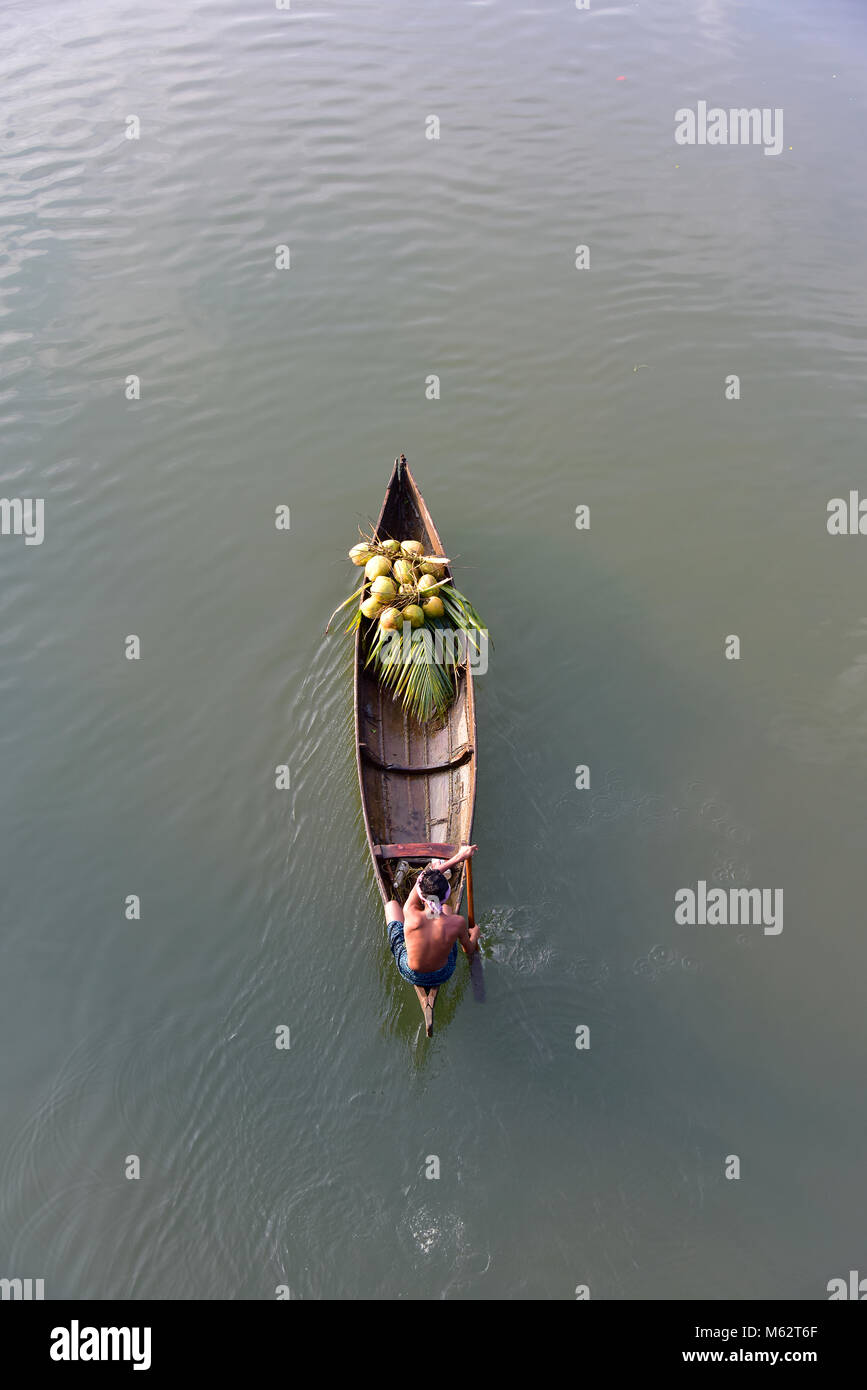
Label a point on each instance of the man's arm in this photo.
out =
(465, 852)
(469, 938)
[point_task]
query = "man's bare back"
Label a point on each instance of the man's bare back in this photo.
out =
(429, 940)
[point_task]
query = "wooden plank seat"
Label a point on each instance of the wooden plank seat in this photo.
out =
(421, 849)
(460, 756)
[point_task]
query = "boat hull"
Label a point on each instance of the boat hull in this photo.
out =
(417, 782)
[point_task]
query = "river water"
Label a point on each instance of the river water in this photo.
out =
(304, 1167)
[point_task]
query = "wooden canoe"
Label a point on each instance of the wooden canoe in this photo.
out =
(418, 782)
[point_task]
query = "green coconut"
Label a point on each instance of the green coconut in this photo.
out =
(412, 547)
(377, 566)
(371, 608)
(431, 567)
(434, 607)
(391, 547)
(414, 615)
(427, 584)
(406, 590)
(384, 589)
(390, 618)
(403, 571)
(360, 554)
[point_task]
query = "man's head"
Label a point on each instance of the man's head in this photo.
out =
(434, 889)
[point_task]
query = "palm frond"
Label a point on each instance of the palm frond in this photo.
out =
(404, 665)
(355, 594)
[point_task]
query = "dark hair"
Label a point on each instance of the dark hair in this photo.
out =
(433, 884)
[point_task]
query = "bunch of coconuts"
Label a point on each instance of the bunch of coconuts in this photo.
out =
(402, 580)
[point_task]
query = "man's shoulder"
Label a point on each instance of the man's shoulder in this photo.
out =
(449, 924)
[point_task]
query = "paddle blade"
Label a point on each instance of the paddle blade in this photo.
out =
(477, 977)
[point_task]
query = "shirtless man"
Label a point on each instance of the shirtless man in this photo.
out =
(424, 933)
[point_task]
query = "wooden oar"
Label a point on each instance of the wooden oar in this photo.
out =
(477, 974)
